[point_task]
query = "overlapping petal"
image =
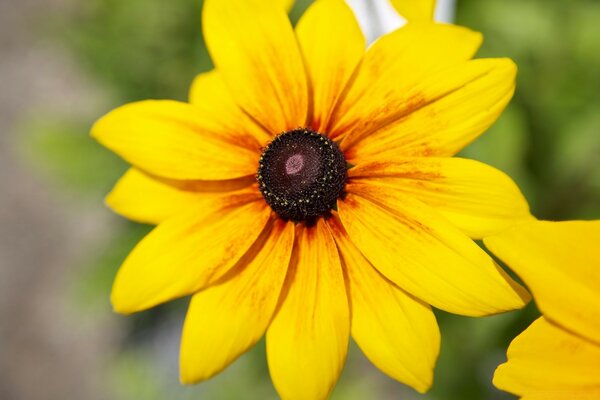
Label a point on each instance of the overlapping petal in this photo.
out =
(176, 140)
(307, 341)
(415, 10)
(398, 333)
(189, 251)
(287, 4)
(557, 255)
(438, 116)
(546, 362)
(385, 84)
(255, 50)
(225, 320)
(419, 251)
(332, 44)
(143, 198)
(209, 93)
(478, 199)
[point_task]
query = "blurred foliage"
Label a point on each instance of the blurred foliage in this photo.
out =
(548, 140)
(95, 282)
(69, 158)
(139, 48)
(555, 45)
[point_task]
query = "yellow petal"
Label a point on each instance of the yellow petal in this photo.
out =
(200, 186)
(592, 394)
(287, 4)
(227, 319)
(585, 394)
(443, 114)
(415, 10)
(209, 93)
(254, 47)
(142, 198)
(478, 199)
(547, 362)
(437, 117)
(384, 85)
(396, 332)
(189, 251)
(175, 140)
(560, 263)
(308, 338)
(423, 254)
(331, 50)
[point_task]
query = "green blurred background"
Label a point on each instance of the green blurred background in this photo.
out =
(63, 63)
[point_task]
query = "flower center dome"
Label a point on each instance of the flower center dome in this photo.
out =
(301, 174)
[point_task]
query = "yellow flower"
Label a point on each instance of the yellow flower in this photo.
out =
(558, 356)
(313, 251)
(415, 10)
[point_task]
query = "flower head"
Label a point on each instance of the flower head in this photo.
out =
(558, 356)
(308, 192)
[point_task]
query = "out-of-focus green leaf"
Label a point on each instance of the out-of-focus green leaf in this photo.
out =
(92, 285)
(140, 48)
(62, 150)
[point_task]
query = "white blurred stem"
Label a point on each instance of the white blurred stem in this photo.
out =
(378, 17)
(445, 11)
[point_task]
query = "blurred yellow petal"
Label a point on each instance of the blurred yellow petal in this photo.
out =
(189, 251)
(547, 362)
(331, 51)
(384, 86)
(478, 199)
(307, 341)
(209, 93)
(254, 47)
(287, 4)
(423, 254)
(227, 319)
(437, 117)
(569, 395)
(397, 333)
(560, 263)
(415, 10)
(175, 140)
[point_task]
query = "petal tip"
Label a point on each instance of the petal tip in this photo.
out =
(95, 130)
(423, 387)
(186, 377)
(498, 380)
(519, 296)
(119, 306)
(111, 201)
(120, 300)
(423, 382)
(509, 64)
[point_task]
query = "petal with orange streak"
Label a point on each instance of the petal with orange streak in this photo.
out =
(189, 251)
(307, 341)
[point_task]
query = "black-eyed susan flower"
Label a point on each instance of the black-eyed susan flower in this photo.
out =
(558, 356)
(307, 191)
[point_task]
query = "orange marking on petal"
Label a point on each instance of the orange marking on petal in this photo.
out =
(207, 186)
